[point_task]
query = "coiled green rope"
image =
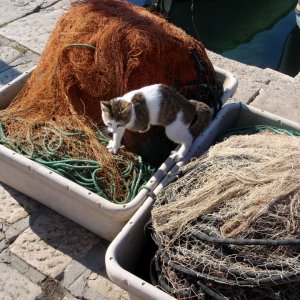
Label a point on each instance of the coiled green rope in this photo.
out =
(255, 129)
(47, 150)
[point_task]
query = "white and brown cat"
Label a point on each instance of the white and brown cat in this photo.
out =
(156, 104)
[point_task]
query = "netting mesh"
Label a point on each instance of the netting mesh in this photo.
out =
(99, 50)
(229, 228)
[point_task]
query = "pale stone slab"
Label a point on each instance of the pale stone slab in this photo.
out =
(91, 294)
(72, 272)
(52, 242)
(78, 288)
(95, 259)
(14, 285)
(16, 68)
(16, 9)
(15, 229)
(5, 256)
(3, 244)
(99, 284)
(33, 31)
(251, 79)
(16, 207)
(7, 55)
(280, 97)
(14, 60)
(31, 273)
(69, 297)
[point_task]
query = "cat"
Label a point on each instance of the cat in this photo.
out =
(156, 104)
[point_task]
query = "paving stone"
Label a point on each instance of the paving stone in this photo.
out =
(14, 285)
(251, 79)
(14, 208)
(51, 243)
(31, 273)
(5, 256)
(15, 229)
(91, 294)
(7, 56)
(19, 264)
(78, 288)
(3, 244)
(13, 10)
(21, 66)
(69, 296)
(14, 60)
(280, 97)
(34, 30)
(99, 284)
(72, 272)
(95, 259)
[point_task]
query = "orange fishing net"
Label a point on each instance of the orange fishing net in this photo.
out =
(103, 49)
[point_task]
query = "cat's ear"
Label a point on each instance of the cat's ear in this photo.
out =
(105, 106)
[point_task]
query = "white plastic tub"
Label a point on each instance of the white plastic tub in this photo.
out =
(68, 198)
(130, 243)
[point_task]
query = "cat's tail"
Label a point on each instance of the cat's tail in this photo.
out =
(202, 117)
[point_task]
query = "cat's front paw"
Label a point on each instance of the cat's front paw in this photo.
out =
(110, 144)
(176, 156)
(112, 147)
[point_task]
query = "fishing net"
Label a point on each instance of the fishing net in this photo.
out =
(99, 50)
(227, 227)
(63, 150)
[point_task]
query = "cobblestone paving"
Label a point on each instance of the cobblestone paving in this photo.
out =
(42, 254)
(46, 256)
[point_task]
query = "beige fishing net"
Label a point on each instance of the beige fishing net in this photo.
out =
(229, 228)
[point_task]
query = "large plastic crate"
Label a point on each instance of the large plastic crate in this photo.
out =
(123, 253)
(68, 198)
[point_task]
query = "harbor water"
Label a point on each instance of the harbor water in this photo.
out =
(261, 33)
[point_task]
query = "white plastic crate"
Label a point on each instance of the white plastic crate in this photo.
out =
(130, 244)
(68, 198)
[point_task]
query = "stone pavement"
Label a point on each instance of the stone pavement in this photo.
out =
(42, 254)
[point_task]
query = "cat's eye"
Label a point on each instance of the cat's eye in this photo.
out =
(120, 125)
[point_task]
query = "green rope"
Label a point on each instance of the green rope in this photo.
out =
(83, 171)
(80, 45)
(256, 129)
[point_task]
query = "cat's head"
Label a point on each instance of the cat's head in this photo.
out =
(116, 113)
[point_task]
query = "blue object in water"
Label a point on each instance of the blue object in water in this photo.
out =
(140, 2)
(297, 10)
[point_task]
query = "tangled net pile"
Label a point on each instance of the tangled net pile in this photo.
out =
(97, 51)
(62, 150)
(230, 227)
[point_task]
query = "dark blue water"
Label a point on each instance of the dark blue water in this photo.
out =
(261, 33)
(277, 48)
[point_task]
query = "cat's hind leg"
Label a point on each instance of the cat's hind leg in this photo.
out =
(179, 133)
